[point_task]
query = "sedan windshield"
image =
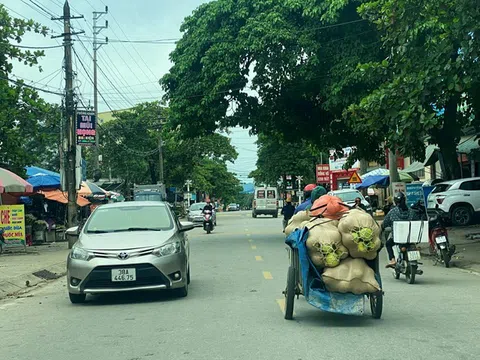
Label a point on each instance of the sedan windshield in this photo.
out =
(349, 196)
(129, 218)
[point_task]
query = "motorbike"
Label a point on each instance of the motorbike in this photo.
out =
(208, 221)
(2, 241)
(439, 245)
(407, 259)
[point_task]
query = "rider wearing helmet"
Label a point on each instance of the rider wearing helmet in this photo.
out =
(400, 212)
(208, 206)
(308, 191)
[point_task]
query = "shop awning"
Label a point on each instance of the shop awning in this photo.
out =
(414, 167)
(61, 197)
(468, 145)
(431, 155)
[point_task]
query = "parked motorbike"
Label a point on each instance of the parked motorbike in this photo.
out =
(2, 241)
(407, 259)
(437, 234)
(208, 221)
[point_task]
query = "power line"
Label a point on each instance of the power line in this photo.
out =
(32, 47)
(141, 153)
(141, 57)
(21, 83)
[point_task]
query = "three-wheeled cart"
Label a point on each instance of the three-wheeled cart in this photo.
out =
(304, 279)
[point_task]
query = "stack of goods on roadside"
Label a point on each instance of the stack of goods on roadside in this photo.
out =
(340, 240)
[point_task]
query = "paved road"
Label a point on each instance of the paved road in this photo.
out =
(234, 311)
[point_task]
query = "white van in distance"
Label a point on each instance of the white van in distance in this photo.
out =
(265, 201)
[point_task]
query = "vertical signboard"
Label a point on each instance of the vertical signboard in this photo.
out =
(12, 221)
(323, 173)
(86, 129)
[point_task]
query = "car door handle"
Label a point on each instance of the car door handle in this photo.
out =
(466, 194)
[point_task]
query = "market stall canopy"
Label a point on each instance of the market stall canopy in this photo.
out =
(44, 181)
(379, 180)
(381, 177)
(35, 170)
(61, 197)
(11, 183)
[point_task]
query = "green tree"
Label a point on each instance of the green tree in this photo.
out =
(277, 158)
(430, 88)
(285, 67)
(130, 150)
(27, 122)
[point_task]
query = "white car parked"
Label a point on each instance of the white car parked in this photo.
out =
(460, 199)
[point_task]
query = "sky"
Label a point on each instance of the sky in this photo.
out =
(128, 72)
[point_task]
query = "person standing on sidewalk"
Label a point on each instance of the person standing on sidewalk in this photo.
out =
(287, 211)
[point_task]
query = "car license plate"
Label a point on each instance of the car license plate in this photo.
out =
(413, 255)
(441, 239)
(119, 275)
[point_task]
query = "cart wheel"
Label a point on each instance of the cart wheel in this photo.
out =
(376, 304)
(410, 273)
(290, 293)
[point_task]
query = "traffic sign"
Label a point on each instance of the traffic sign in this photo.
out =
(355, 179)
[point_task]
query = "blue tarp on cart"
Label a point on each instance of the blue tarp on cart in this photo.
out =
(313, 286)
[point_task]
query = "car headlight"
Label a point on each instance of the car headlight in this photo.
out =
(80, 254)
(169, 249)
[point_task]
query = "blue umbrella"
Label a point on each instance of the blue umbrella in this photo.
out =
(381, 180)
(43, 181)
(35, 170)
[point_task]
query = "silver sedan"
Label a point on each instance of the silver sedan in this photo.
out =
(129, 246)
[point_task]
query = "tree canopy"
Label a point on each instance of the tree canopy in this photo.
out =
(332, 73)
(29, 127)
(283, 67)
(277, 158)
(130, 151)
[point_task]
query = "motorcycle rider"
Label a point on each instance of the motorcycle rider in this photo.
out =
(208, 206)
(400, 212)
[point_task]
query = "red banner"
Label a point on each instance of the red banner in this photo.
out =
(323, 173)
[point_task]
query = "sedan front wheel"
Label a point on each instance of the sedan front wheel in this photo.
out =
(77, 298)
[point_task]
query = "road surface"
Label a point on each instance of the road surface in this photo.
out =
(234, 311)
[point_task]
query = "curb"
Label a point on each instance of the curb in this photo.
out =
(26, 282)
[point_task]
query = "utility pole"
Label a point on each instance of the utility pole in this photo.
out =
(96, 46)
(70, 136)
(160, 159)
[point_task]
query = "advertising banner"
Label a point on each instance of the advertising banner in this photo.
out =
(323, 173)
(86, 129)
(12, 221)
(414, 193)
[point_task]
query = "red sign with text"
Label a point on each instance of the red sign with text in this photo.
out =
(323, 173)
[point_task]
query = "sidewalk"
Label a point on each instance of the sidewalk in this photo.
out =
(21, 270)
(467, 255)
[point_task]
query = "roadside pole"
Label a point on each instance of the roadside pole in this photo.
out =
(70, 133)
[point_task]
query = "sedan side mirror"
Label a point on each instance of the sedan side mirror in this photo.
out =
(186, 226)
(72, 231)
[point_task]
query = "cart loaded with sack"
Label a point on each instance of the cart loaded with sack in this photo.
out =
(333, 251)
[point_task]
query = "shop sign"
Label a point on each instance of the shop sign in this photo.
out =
(86, 129)
(12, 221)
